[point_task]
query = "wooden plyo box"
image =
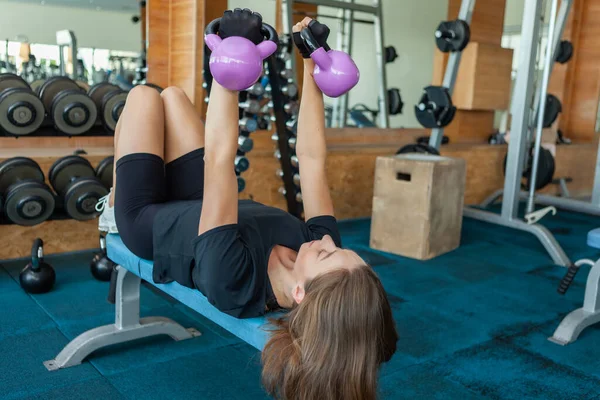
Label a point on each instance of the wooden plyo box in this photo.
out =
(418, 205)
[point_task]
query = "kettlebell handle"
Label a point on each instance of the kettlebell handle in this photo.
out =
(311, 42)
(37, 253)
(267, 30)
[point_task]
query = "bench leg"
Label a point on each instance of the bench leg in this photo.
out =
(128, 326)
(575, 322)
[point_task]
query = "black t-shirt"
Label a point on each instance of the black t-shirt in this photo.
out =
(228, 264)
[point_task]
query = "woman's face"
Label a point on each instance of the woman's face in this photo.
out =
(320, 256)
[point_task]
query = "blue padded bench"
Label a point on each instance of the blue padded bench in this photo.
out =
(128, 324)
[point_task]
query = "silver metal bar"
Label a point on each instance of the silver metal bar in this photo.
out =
(521, 108)
(548, 62)
(336, 120)
(562, 203)
(341, 4)
(596, 188)
(466, 14)
(288, 22)
(384, 118)
(348, 49)
(546, 238)
(561, 23)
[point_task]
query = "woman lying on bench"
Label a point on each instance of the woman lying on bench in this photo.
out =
(176, 202)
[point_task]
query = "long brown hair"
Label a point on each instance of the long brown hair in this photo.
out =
(330, 346)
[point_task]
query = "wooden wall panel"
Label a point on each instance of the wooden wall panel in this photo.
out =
(487, 24)
(580, 89)
(157, 54)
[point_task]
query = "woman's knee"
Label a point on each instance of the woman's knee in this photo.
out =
(174, 94)
(144, 96)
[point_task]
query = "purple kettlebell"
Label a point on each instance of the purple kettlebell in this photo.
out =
(335, 72)
(236, 63)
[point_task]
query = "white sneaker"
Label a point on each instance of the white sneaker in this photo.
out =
(106, 222)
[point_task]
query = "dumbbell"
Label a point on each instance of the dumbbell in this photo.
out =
(241, 184)
(28, 200)
(287, 73)
(21, 111)
(298, 196)
(250, 106)
(291, 108)
(104, 171)
(296, 177)
(241, 164)
(71, 109)
(110, 101)
(256, 90)
(293, 159)
(248, 124)
(74, 180)
(245, 144)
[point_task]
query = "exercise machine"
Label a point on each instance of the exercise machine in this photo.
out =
(575, 322)
(523, 115)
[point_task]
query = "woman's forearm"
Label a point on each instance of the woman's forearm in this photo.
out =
(221, 129)
(311, 119)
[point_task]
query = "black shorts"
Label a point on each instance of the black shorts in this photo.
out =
(144, 185)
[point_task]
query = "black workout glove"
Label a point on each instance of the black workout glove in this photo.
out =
(244, 23)
(320, 32)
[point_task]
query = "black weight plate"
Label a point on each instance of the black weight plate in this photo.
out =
(17, 169)
(545, 172)
(565, 52)
(21, 111)
(395, 104)
(53, 86)
(104, 171)
(435, 108)
(460, 35)
(66, 169)
(390, 54)
(99, 90)
(29, 203)
(152, 85)
(553, 108)
(418, 148)
(112, 107)
(73, 112)
(8, 80)
(81, 198)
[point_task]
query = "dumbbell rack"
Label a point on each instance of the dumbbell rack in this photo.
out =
(60, 235)
(285, 110)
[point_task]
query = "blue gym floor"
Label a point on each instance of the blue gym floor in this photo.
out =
(473, 325)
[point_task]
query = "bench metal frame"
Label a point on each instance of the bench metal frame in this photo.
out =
(128, 326)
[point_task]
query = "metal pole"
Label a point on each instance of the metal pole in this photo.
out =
(336, 112)
(348, 49)
(342, 5)
(561, 22)
(540, 118)
(521, 107)
(384, 119)
(288, 22)
(466, 14)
